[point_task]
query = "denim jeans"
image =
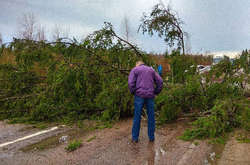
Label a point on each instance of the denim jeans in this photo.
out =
(139, 103)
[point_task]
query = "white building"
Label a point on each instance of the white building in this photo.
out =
(230, 54)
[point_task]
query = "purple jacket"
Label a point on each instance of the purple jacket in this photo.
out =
(144, 82)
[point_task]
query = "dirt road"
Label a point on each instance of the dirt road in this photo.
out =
(235, 152)
(107, 147)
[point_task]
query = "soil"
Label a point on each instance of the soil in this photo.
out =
(110, 146)
(236, 152)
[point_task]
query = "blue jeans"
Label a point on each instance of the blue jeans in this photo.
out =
(139, 103)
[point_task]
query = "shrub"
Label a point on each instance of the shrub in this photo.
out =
(178, 98)
(225, 115)
(182, 66)
(218, 102)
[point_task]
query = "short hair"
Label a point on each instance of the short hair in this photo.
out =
(139, 63)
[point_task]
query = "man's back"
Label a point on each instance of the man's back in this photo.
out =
(142, 81)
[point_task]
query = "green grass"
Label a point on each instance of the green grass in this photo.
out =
(25, 120)
(219, 140)
(19, 120)
(72, 146)
(90, 139)
(47, 143)
(102, 125)
(196, 143)
(243, 138)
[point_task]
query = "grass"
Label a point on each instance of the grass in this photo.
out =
(25, 120)
(218, 145)
(51, 142)
(47, 143)
(196, 143)
(244, 140)
(90, 139)
(243, 137)
(219, 140)
(73, 145)
(102, 125)
(17, 120)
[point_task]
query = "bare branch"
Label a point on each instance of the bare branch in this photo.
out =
(125, 28)
(131, 45)
(40, 36)
(59, 32)
(18, 98)
(188, 46)
(27, 26)
(1, 39)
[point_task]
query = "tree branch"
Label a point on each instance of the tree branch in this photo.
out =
(131, 45)
(18, 98)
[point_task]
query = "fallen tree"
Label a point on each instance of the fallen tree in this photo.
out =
(215, 100)
(79, 80)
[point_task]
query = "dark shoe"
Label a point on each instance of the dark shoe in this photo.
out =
(151, 140)
(134, 141)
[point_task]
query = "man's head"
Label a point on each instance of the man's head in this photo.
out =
(138, 63)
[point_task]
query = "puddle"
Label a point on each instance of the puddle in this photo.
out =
(54, 141)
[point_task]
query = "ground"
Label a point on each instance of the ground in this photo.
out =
(235, 151)
(109, 146)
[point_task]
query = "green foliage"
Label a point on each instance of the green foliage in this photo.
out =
(243, 137)
(244, 61)
(182, 67)
(225, 115)
(178, 98)
(219, 140)
(115, 93)
(92, 138)
(67, 80)
(72, 146)
(166, 23)
(244, 118)
(168, 107)
(215, 97)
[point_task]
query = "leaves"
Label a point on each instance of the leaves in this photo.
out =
(69, 79)
(166, 23)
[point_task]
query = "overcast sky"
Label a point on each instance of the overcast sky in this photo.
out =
(214, 25)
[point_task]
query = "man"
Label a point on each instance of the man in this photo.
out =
(144, 83)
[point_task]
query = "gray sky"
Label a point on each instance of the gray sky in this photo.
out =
(214, 25)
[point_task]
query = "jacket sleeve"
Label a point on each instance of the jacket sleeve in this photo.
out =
(158, 82)
(132, 81)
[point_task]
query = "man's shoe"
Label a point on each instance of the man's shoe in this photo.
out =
(151, 140)
(134, 141)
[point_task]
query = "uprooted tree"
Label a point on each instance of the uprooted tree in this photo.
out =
(166, 23)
